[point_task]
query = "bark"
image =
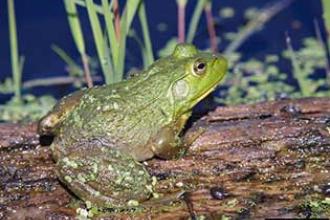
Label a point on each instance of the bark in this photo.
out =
(269, 159)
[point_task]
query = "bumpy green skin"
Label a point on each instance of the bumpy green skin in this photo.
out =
(101, 133)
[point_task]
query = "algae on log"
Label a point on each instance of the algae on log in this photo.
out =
(269, 159)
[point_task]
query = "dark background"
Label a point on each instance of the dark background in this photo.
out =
(42, 23)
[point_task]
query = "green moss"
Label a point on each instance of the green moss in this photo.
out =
(34, 108)
(316, 208)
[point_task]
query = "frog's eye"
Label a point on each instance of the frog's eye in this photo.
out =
(199, 67)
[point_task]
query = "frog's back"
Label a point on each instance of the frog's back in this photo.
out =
(123, 114)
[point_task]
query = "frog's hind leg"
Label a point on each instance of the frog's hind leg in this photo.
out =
(104, 176)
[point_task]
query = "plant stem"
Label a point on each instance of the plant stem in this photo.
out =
(325, 48)
(65, 57)
(100, 41)
(297, 71)
(78, 37)
(87, 75)
(148, 55)
(117, 18)
(326, 17)
(126, 20)
(195, 20)
(181, 20)
(83, 4)
(15, 63)
(210, 27)
(110, 30)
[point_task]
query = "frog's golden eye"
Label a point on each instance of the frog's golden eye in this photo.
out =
(199, 67)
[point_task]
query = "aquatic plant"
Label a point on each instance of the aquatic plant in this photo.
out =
(78, 37)
(193, 24)
(315, 208)
(28, 108)
(110, 39)
(16, 61)
(260, 80)
(33, 106)
(326, 17)
(307, 62)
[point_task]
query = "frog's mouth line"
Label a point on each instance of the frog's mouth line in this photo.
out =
(207, 91)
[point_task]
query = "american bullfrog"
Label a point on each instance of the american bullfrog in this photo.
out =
(102, 134)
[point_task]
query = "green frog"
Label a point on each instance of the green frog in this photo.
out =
(102, 134)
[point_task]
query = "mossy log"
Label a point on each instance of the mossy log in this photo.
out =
(268, 159)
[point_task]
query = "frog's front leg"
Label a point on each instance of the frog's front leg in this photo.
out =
(166, 143)
(103, 175)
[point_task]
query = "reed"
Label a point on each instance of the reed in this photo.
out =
(326, 17)
(16, 61)
(195, 20)
(110, 38)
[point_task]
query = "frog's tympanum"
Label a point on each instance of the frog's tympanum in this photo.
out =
(103, 133)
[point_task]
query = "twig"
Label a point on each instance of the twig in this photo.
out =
(325, 48)
(87, 72)
(210, 27)
(117, 18)
(253, 26)
(52, 81)
(181, 20)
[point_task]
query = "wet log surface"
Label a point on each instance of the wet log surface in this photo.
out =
(251, 161)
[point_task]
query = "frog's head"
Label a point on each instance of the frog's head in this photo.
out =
(196, 75)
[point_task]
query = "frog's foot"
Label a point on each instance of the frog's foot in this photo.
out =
(104, 176)
(166, 144)
(190, 138)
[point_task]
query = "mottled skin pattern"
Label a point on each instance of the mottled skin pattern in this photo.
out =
(101, 133)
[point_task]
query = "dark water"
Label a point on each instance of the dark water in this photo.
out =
(42, 23)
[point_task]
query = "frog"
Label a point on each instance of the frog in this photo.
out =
(104, 134)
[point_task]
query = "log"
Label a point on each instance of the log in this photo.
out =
(266, 160)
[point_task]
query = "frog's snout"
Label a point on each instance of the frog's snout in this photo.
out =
(220, 64)
(45, 125)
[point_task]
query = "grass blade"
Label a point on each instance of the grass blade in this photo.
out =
(99, 40)
(107, 59)
(119, 63)
(110, 28)
(325, 48)
(125, 23)
(130, 9)
(82, 3)
(195, 19)
(326, 16)
(297, 71)
(75, 26)
(148, 57)
(64, 56)
(78, 37)
(16, 66)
